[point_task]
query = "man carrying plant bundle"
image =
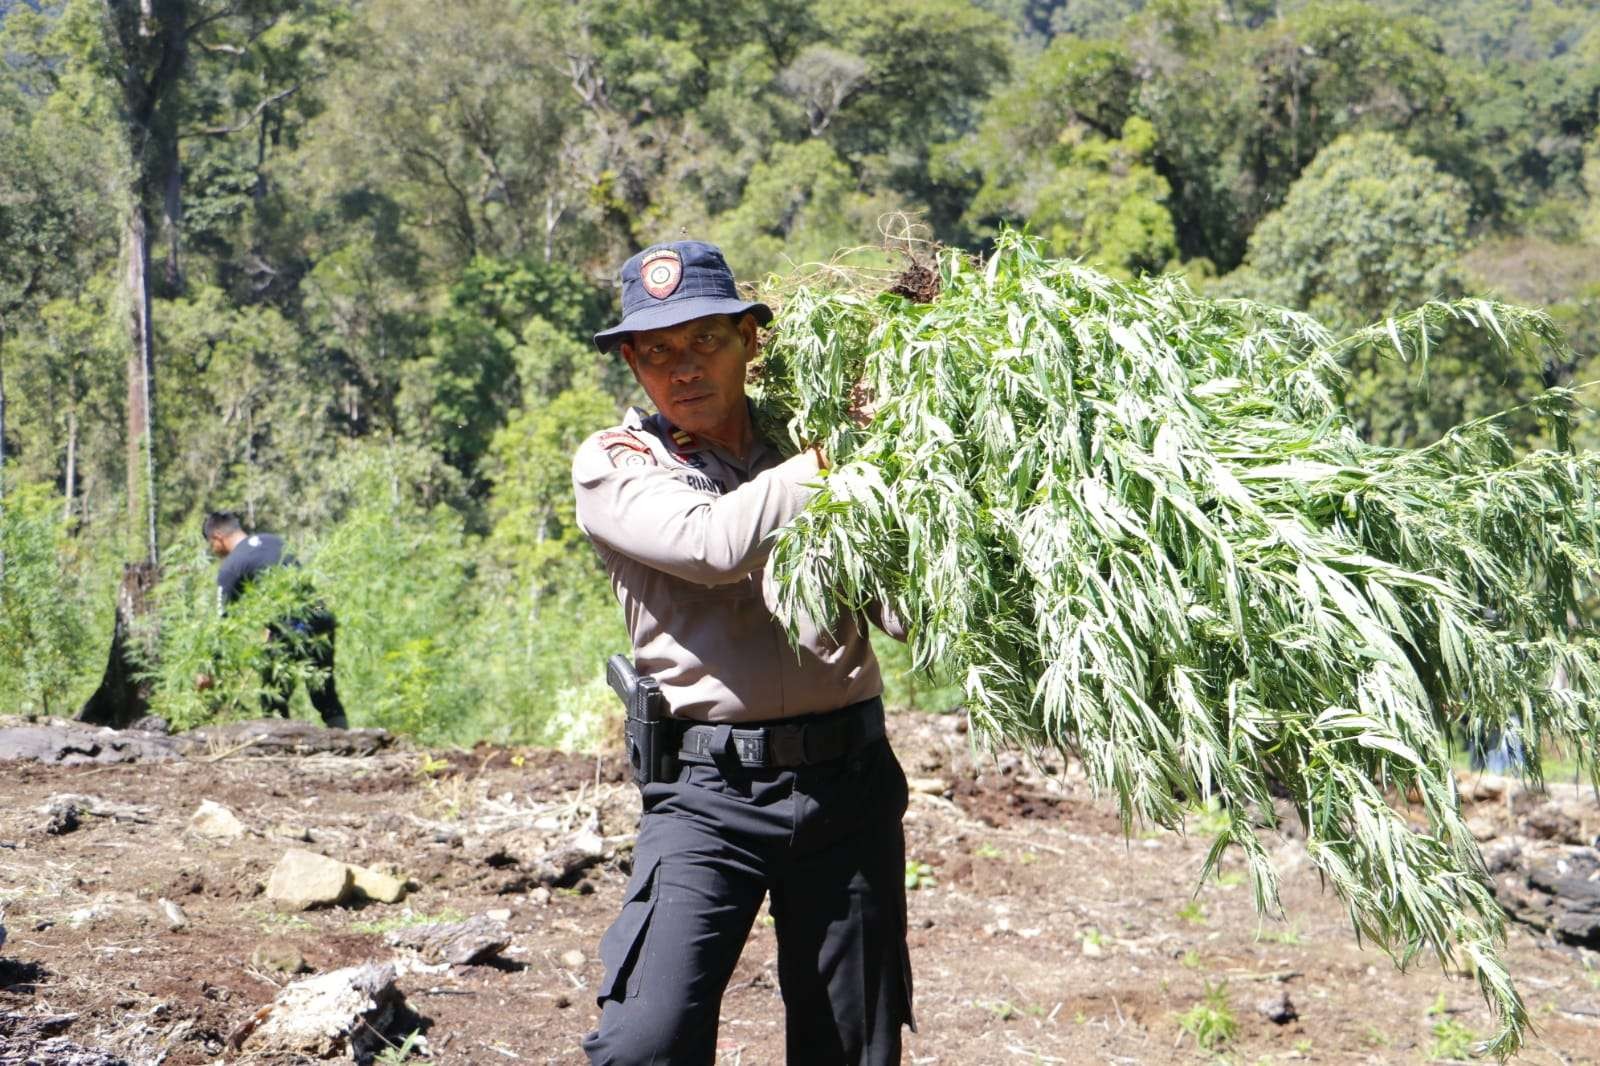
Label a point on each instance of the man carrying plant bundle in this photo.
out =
(306, 635)
(784, 782)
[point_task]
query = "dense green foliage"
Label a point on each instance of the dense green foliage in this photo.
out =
(380, 231)
(44, 606)
(1136, 526)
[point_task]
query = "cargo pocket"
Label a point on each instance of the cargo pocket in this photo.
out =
(621, 947)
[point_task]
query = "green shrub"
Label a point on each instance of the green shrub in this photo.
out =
(1211, 1021)
(193, 640)
(45, 630)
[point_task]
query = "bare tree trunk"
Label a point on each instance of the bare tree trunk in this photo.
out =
(72, 466)
(141, 388)
(2, 437)
(150, 43)
(123, 695)
(172, 218)
(2, 414)
(250, 470)
(259, 191)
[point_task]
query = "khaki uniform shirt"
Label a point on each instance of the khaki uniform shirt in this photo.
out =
(684, 529)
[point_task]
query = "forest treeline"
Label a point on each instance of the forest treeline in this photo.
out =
(377, 233)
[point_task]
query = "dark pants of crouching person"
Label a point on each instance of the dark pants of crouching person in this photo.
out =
(311, 641)
(826, 841)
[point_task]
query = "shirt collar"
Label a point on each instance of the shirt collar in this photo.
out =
(686, 443)
(683, 442)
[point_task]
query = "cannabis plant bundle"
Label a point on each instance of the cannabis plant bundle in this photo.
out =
(248, 653)
(1136, 525)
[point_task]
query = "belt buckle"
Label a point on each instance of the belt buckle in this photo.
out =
(787, 745)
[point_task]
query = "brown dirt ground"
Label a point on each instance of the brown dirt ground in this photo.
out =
(1045, 937)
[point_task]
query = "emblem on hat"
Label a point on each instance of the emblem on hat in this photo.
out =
(661, 273)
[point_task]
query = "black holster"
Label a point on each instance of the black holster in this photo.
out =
(649, 731)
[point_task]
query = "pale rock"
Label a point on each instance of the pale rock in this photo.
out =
(929, 786)
(376, 886)
(175, 917)
(279, 956)
(1482, 829)
(1502, 856)
(89, 915)
(1481, 786)
(213, 821)
(1523, 801)
(304, 879)
(539, 897)
(573, 960)
(1278, 1009)
(498, 914)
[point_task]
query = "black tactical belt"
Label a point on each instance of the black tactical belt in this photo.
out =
(804, 741)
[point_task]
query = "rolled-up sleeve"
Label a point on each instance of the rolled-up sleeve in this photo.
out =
(648, 514)
(885, 618)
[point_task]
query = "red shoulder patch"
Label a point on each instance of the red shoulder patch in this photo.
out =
(625, 449)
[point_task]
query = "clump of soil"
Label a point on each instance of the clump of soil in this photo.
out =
(918, 283)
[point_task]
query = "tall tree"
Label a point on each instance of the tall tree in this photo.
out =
(131, 63)
(423, 116)
(49, 219)
(136, 54)
(1370, 228)
(141, 50)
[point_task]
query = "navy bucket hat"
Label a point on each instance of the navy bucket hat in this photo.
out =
(667, 284)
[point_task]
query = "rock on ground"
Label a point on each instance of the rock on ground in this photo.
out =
(1278, 1008)
(1554, 889)
(375, 886)
(279, 956)
(214, 821)
(357, 1011)
(1551, 822)
(1572, 884)
(303, 879)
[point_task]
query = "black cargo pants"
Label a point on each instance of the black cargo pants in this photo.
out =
(826, 842)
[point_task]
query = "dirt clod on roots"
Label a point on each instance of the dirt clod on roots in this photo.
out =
(918, 283)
